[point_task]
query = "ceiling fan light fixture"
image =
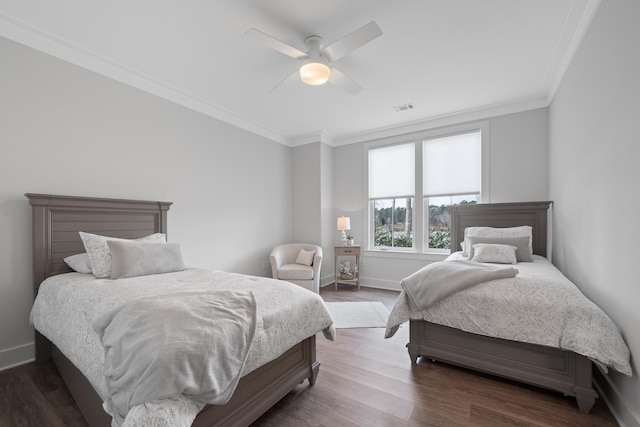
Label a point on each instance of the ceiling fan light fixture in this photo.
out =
(315, 73)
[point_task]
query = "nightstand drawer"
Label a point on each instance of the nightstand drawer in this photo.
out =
(347, 250)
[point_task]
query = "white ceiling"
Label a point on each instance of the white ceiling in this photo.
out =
(446, 57)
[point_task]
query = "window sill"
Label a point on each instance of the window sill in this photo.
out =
(391, 254)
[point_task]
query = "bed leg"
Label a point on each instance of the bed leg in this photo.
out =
(315, 368)
(43, 348)
(413, 353)
(586, 398)
(583, 388)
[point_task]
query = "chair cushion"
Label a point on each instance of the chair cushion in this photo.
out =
(295, 272)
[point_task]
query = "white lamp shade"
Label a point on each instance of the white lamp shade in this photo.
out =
(344, 223)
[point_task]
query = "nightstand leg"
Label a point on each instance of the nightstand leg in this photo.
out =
(335, 272)
(358, 273)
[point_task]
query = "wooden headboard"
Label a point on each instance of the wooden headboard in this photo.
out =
(57, 220)
(501, 215)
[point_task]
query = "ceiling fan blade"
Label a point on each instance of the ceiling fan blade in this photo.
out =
(276, 44)
(345, 83)
(352, 41)
(291, 77)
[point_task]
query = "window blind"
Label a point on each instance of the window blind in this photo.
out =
(451, 165)
(392, 171)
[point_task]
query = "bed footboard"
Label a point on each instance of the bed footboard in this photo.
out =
(255, 394)
(547, 367)
(264, 387)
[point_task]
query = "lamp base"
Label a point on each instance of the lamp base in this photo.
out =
(343, 238)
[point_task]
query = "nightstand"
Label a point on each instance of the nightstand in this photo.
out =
(347, 251)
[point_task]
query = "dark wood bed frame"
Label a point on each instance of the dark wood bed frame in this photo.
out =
(547, 367)
(56, 222)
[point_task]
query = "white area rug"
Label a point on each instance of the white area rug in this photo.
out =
(358, 314)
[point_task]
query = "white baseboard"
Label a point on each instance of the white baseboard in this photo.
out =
(16, 356)
(326, 280)
(619, 407)
(369, 282)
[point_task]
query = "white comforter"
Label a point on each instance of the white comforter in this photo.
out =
(67, 304)
(539, 306)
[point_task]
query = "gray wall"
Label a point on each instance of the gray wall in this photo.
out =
(594, 174)
(65, 130)
(313, 201)
(328, 221)
(306, 192)
(518, 165)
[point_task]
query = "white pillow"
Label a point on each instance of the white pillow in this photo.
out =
(99, 254)
(521, 243)
(487, 252)
(523, 230)
(79, 263)
(305, 257)
(129, 259)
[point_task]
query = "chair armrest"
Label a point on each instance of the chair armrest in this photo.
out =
(317, 262)
(274, 259)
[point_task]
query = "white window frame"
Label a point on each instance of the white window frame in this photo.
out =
(418, 209)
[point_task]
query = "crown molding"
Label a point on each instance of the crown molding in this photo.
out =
(310, 138)
(458, 117)
(573, 33)
(40, 40)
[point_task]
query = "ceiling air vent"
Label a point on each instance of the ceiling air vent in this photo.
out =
(401, 108)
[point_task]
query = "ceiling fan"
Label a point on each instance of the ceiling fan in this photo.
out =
(316, 68)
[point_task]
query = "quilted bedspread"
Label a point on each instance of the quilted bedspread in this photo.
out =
(539, 306)
(68, 304)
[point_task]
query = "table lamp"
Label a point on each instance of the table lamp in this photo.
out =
(344, 223)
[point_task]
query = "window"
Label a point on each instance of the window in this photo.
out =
(391, 192)
(393, 222)
(438, 219)
(411, 185)
(451, 175)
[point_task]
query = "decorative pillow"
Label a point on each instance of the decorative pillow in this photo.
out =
(521, 244)
(305, 257)
(98, 250)
(486, 252)
(524, 230)
(129, 259)
(79, 263)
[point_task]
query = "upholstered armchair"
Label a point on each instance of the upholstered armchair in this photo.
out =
(302, 268)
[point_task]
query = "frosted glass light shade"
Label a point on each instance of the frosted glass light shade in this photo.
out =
(315, 73)
(344, 223)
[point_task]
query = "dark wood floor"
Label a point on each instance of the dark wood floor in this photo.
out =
(364, 380)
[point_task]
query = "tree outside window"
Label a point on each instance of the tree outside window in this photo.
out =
(393, 223)
(439, 219)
